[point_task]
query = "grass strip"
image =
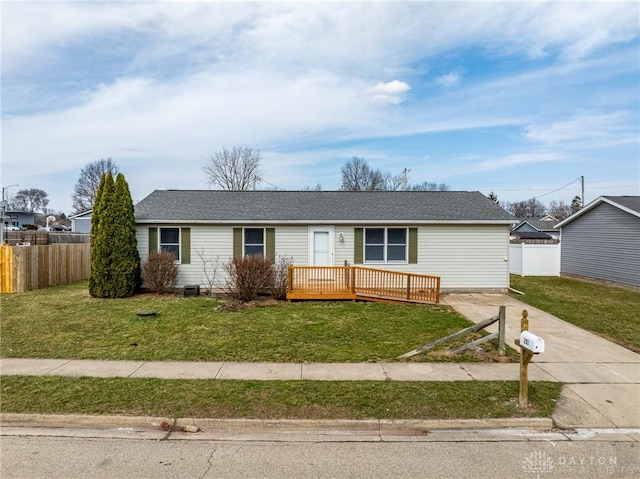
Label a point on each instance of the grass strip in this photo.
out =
(607, 311)
(274, 399)
(65, 322)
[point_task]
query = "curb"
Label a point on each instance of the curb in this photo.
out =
(381, 426)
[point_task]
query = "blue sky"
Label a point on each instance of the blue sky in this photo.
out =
(516, 98)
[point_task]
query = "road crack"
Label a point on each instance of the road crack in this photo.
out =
(210, 463)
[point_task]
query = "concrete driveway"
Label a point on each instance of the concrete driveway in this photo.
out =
(602, 379)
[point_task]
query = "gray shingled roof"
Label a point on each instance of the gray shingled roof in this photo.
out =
(631, 202)
(531, 235)
(538, 224)
(318, 206)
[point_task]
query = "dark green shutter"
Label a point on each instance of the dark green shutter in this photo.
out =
(185, 246)
(271, 243)
(237, 243)
(358, 235)
(413, 245)
(153, 240)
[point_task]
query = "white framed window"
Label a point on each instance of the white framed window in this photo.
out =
(385, 245)
(170, 241)
(253, 242)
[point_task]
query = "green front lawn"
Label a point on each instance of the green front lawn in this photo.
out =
(610, 312)
(274, 399)
(65, 322)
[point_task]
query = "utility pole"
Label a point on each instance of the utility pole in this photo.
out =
(3, 205)
(3, 210)
(582, 197)
(405, 179)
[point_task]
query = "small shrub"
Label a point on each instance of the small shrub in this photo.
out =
(160, 272)
(248, 277)
(279, 277)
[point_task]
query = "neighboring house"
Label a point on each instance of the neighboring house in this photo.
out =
(531, 236)
(538, 224)
(602, 240)
(81, 223)
(17, 219)
(463, 237)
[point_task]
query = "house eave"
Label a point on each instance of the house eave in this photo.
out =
(593, 204)
(76, 216)
(332, 222)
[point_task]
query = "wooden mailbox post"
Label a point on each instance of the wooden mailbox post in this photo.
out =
(529, 345)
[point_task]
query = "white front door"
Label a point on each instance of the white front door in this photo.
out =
(321, 246)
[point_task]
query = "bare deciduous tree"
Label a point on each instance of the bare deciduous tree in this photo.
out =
(30, 199)
(357, 175)
(234, 169)
(559, 209)
(391, 182)
(530, 207)
(84, 193)
(428, 186)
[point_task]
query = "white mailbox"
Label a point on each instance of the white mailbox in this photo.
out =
(533, 343)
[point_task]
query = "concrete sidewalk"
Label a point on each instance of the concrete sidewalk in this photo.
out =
(270, 371)
(602, 379)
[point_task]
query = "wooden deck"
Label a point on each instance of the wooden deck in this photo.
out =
(358, 283)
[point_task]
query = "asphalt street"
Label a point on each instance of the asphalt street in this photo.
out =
(446, 457)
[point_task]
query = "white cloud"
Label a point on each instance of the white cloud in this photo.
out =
(191, 77)
(477, 165)
(585, 128)
(165, 130)
(301, 35)
(388, 93)
(449, 80)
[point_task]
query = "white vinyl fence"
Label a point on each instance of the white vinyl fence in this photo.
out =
(534, 259)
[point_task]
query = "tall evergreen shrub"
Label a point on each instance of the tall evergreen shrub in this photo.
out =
(125, 266)
(115, 261)
(100, 250)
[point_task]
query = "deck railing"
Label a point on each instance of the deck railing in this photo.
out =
(315, 281)
(356, 282)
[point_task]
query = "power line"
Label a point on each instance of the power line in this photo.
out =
(271, 184)
(561, 188)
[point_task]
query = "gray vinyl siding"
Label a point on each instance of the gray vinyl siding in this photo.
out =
(81, 225)
(603, 243)
(526, 228)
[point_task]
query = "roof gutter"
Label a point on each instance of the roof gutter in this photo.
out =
(327, 222)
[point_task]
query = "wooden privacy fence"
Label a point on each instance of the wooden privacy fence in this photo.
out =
(25, 268)
(355, 282)
(33, 238)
